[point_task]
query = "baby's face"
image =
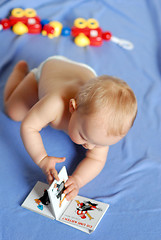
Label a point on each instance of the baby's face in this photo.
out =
(90, 131)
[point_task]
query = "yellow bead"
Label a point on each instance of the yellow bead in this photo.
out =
(44, 33)
(20, 28)
(92, 23)
(57, 28)
(80, 23)
(82, 40)
(17, 12)
(30, 12)
(50, 35)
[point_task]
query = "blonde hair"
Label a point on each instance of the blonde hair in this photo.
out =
(114, 97)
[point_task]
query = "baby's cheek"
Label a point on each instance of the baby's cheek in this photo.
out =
(75, 138)
(73, 135)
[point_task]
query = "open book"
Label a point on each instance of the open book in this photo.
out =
(81, 213)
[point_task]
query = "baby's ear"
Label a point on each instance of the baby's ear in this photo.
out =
(72, 105)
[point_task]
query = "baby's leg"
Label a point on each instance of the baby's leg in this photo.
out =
(21, 92)
(17, 75)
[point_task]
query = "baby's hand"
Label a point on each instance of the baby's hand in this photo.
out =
(47, 165)
(72, 188)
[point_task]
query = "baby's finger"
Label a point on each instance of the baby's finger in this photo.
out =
(55, 174)
(50, 178)
(69, 189)
(71, 195)
(68, 182)
(59, 160)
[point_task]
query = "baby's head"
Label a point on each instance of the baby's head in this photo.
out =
(103, 112)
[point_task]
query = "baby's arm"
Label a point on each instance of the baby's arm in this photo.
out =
(42, 113)
(87, 170)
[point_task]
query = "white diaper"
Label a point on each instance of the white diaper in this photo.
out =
(37, 71)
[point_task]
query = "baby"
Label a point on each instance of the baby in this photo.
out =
(96, 112)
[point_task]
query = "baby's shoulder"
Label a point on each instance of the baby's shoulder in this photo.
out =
(58, 107)
(54, 100)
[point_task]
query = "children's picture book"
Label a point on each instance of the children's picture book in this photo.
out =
(81, 213)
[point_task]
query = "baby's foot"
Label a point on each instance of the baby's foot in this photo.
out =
(22, 67)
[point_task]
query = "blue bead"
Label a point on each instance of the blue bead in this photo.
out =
(44, 21)
(66, 31)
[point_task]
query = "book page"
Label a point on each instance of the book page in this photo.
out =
(38, 200)
(84, 213)
(57, 198)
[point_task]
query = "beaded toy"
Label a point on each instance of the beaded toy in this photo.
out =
(85, 32)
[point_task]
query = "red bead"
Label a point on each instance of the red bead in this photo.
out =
(76, 31)
(48, 29)
(94, 33)
(97, 41)
(13, 20)
(106, 36)
(95, 37)
(33, 24)
(5, 23)
(35, 28)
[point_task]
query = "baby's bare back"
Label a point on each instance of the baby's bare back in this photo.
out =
(63, 77)
(59, 82)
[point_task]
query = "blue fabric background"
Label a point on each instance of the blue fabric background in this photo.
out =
(131, 179)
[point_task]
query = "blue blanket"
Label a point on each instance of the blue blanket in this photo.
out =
(131, 179)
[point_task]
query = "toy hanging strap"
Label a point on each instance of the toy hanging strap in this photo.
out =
(122, 43)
